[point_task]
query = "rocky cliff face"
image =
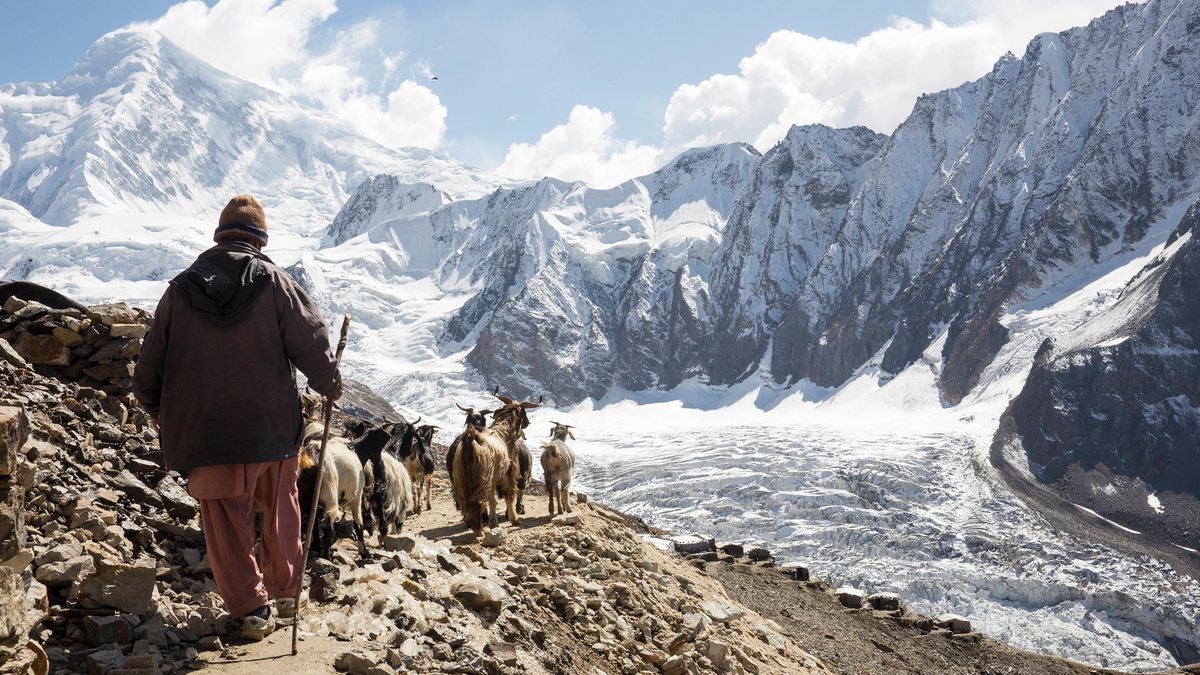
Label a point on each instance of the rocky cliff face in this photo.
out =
(1108, 416)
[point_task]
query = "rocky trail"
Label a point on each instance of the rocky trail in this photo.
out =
(102, 566)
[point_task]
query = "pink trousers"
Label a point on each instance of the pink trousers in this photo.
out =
(228, 496)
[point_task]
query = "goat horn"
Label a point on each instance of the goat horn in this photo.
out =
(418, 420)
(469, 411)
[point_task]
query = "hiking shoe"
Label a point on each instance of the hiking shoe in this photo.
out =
(285, 608)
(258, 624)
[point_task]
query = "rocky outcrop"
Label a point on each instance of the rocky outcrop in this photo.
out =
(95, 347)
(1110, 415)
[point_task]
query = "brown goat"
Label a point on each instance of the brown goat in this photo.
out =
(486, 463)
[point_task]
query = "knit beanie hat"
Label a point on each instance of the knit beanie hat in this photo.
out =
(242, 220)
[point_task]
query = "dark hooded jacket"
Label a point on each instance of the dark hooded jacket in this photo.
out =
(216, 369)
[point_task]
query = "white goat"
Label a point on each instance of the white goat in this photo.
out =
(558, 467)
(342, 487)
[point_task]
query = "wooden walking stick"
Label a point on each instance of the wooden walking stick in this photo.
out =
(312, 511)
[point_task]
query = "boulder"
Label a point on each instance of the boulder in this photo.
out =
(12, 603)
(103, 630)
(850, 596)
(14, 429)
(693, 543)
(796, 571)
(176, 499)
(478, 593)
(955, 623)
(493, 536)
(67, 336)
(129, 588)
(128, 330)
(759, 554)
(43, 350)
(66, 572)
(884, 602)
(10, 355)
(103, 661)
(735, 550)
(356, 663)
(721, 611)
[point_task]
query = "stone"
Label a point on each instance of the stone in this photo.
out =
(104, 661)
(493, 536)
(718, 653)
(67, 336)
(12, 606)
(176, 499)
(478, 593)
(66, 572)
(850, 596)
(128, 330)
(693, 543)
(504, 652)
(722, 612)
(10, 355)
(581, 498)
(409, 648)
(113, 313)
(102, 630)
(355, 663)
(795, 571)
(570, 519)
(735, 550)
(14, 304)
(44, 350)
(129, 588)
(109, 371)
(676, 665)
(14, 430)
(955, 623)
(884, 602)
(210, 643)
(758, 554)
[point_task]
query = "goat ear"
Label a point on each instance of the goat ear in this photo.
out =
(570, 434)
(485, 413)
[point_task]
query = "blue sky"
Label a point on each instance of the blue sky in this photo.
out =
(582, 88)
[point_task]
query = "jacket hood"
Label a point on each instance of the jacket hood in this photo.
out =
(224, 281)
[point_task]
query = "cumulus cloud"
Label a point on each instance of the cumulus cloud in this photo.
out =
(269, 42)
(584, 148)
(793, 78)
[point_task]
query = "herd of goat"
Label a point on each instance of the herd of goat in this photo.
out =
(378, 472)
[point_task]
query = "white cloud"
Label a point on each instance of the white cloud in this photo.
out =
(268, 42)
(584, 148)
(793, 78)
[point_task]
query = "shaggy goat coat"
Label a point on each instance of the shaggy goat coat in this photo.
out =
(485, 463)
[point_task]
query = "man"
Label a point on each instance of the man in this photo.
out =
(216, 376)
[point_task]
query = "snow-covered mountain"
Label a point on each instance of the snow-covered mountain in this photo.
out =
(1022, 238)
(141, 126)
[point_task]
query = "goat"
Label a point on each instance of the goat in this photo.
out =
(476, 419)
(525, 466)
(414, 452)
(369, 441)
(397, 494)
(342, 486)
(425, 436)
(558, 467)
(486, 464)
